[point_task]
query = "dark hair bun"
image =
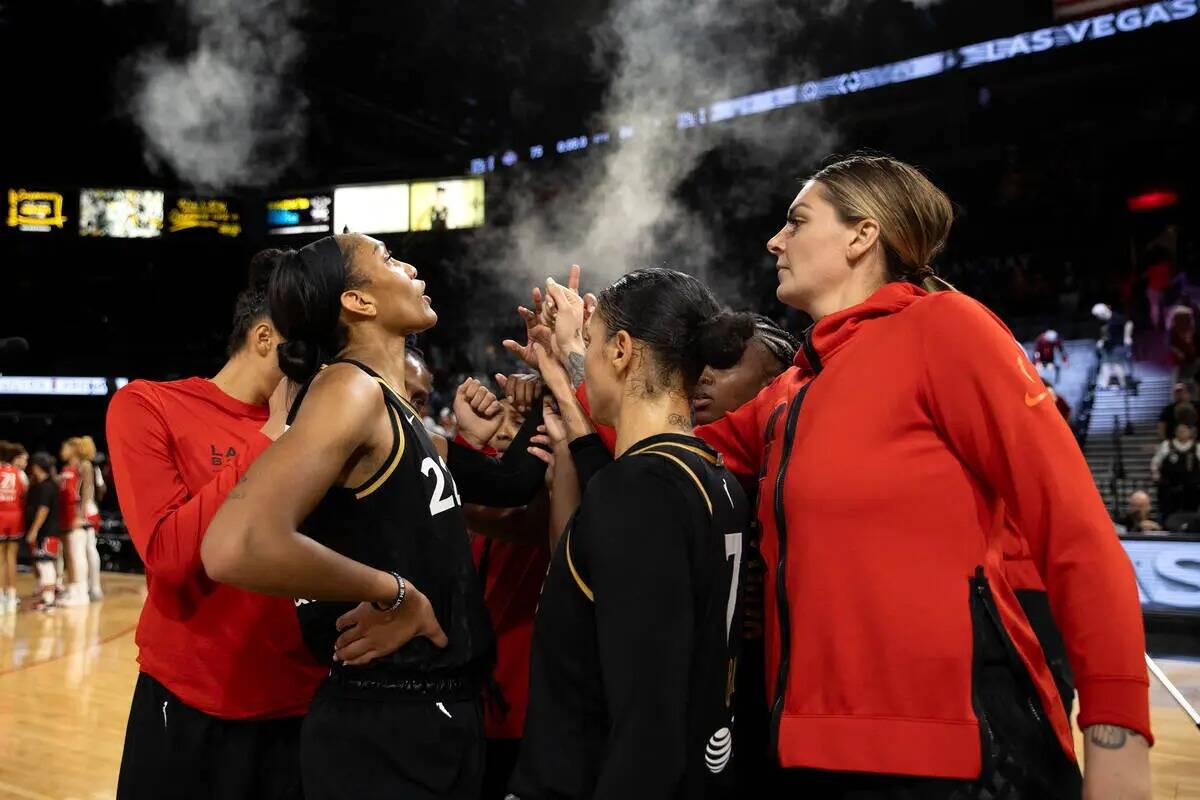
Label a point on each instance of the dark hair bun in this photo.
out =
(721, 339)
(304, 296)
(43, 460)
(677, 316)
(298, 359)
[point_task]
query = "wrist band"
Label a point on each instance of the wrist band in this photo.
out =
(401, 593)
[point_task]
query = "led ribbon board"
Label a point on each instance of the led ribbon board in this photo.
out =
(46, 385)
(1100, 26)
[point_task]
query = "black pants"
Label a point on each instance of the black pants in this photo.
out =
(174, 751)
(380, 745)
(501, 761)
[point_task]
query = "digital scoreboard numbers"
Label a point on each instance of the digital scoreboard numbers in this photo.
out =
(300, 213)
(190, 215)
(35, 212)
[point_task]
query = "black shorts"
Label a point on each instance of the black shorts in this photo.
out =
(174, 751)
(384, 745)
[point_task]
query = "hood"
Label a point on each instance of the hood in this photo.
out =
(826, 337)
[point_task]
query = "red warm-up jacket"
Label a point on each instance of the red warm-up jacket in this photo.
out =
(895, 458)
(177, 450)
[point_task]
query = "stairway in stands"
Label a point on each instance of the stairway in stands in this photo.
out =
(1113, 414)
(1071, 382)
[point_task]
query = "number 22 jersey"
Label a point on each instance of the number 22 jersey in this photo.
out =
(406, 518)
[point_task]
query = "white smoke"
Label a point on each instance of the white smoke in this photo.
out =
(225, 114)
(620, 207)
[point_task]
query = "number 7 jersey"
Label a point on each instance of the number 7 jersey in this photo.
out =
(406, 518)
(633, 661)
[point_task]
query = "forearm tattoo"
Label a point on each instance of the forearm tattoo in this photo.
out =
(575, 368)
(1109, 737)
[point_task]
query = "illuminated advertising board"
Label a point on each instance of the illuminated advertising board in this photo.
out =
(121, 213)
(1167, 568)
(446, 205)
(377, 208)
(300, 213)
(195, 215)
(35, 211)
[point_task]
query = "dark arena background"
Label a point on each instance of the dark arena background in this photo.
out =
(150, 149)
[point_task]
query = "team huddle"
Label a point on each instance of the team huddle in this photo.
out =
(736, 602)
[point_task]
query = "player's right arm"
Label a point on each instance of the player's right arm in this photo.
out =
(252, 542)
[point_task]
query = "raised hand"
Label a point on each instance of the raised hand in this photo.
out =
(478, 413)
(521, 390)
(568, 318)
(574, 419)
(535, 331)
(554, 374)
(368, 633)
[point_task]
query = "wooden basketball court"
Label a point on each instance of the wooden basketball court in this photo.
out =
(66, 679)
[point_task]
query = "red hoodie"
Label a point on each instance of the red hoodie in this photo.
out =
(900, 453)
(177, 449)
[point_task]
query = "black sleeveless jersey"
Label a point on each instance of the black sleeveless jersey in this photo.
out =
(406, 518)
(635, 642)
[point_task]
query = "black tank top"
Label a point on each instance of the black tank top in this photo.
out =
(406, 518)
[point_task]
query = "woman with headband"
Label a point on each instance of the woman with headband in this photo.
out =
(357, 512)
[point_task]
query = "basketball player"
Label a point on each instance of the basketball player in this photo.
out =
(381, 558)
(71, 522)
(648, 565)
(41, 512)
(768, 352)
(12, 526)
(225, 676)
(90, 486)
(418, 382)
(20, 460)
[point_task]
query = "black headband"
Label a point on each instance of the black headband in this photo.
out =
(323, 256)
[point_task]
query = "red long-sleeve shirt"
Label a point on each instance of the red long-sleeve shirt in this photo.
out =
(924, 439)
(177, 449)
